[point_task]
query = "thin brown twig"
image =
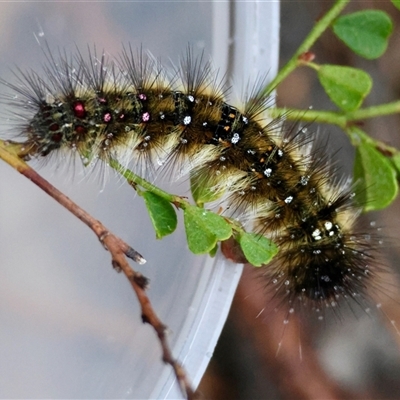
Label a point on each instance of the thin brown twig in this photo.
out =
(119, 251)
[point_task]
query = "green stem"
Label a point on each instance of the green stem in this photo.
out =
(312, 65)
(344, 120)
(358, 136)
(322, 117)
(136, 179)
(9, 152)
(315, 33)
(339, 118)
(374, 111)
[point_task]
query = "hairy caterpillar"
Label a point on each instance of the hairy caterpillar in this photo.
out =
(130, 110)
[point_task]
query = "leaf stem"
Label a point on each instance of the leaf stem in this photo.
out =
(342, 119)
(312, 37)
(131, 177)
(339, 118)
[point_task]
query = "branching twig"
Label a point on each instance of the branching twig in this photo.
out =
(119, 251)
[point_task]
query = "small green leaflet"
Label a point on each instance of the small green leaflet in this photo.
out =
(257, 249)
(203, 191)
(204, 229)
(396, 3)
(162, 214)
(365, 32)
(213, 252)
(377, 176)
(396, 162)
(347, 87)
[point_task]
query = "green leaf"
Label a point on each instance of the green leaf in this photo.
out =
(204, 229)
(257, 249)
(365, 32)
(203, 188)
(377, 177)
(213, 252)
(162, 214)
(396, 158)
(396, 3)
(347, 87)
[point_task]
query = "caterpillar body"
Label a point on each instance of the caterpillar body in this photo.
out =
(130, 110)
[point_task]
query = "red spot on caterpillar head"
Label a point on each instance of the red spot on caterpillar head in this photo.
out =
(54, 127)
(79, 109)
(80, 130)
(56, 137)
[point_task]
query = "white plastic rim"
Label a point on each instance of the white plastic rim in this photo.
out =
(70, 326)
